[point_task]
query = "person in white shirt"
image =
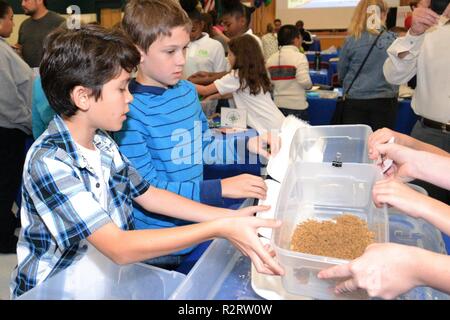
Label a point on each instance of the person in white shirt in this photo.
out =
(289, 73)
(203, 53)
(249, 84)
(424, 52)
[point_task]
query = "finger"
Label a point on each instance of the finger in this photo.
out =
(339, 271)
(252, 194)
(258, 182)
(346, 286)
(259, 208)
(429, 19)
(263, 152)
(269, 261)
(258, 190)
(447, 11)
(267, 223)
(424, 4)
(259, 264)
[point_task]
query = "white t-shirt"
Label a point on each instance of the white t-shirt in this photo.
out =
(258, 39)
(262, 113)
(204, 54)
(99, 187)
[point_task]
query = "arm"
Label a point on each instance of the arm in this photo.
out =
(16, 105)
(206, 91)
(205, 78)
(125, 247)
(383, 135)
(416, 164)
(387, 270)
(401, 64)
(413, 203)
(302, 75)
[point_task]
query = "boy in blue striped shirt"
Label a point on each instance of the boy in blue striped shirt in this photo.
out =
(78, 188)
(166, 135)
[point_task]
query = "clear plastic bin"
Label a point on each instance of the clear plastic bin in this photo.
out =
(320, 191)
(130, 282)
(322, 143)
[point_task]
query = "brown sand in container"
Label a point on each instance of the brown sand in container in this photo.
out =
(344, 238)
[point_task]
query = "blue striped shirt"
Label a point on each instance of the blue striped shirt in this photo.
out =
(166, 137)
(59, 210)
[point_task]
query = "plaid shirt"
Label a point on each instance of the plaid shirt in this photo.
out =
(59, 211)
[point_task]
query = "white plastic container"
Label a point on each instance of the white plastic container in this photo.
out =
(322, 143)
(320, 191)
(114, 282)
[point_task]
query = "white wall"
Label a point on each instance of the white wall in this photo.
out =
(319, 18)
(19, 18)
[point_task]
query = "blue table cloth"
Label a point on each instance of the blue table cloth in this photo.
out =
(323, 57)
(320, 76)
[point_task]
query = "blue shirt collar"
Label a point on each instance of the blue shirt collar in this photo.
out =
(136, 87)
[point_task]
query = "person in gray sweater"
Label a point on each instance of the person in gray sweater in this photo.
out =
(371, 99)
(16, 81)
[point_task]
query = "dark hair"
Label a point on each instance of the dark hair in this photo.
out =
(190, 6)
(299, 24)
(287, 34)
(277, 20)
(90, 57)
(45, 3)
(237, 9)
(250, 64)
(145, 20)
(4, 6)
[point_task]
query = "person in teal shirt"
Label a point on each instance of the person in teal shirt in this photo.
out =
(41, 112)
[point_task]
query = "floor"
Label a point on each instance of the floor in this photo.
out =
(7, 264)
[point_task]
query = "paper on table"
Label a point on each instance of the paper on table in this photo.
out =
(278, 164)
(273, 189)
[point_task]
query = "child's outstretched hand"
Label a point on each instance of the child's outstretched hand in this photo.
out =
(242, 233)
(266, 145)
(244, 186)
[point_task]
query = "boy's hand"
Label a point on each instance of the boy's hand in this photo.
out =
(260, 145)
(244, 186)
(242, 233)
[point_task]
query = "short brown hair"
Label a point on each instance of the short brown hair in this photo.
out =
(145, 20)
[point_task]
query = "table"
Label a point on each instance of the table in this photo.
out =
(321, 111)
(324, 57)
(320, 76)
(315, 46)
